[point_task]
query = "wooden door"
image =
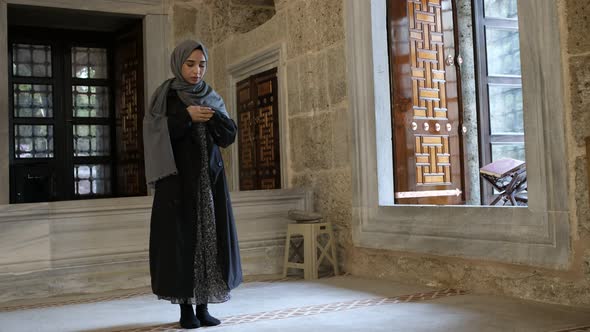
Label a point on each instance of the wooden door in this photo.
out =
(129, 108)
(246, 136)
(258, 139)
(425, 102)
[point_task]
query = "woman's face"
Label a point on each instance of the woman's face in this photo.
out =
(194, 67)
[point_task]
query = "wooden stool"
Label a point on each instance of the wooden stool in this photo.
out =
(311, 244)
(508, 177)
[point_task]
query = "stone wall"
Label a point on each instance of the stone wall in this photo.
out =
(318, 122)
(567, 287)
(319, 134)
(213, 21)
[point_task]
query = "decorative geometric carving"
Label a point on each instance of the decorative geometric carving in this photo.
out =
(130, 171)
(433, 164)
(129, 108)
(264, 88)
(267, 136)
(258, 136)
(247, 151)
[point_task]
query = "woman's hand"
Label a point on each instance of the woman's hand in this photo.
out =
(200, 113)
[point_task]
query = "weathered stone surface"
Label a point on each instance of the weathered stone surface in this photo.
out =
(314, 25)
(219, 27)
(245, 18)
(270, 32)
(341, 137)
(218, 72)
(586, 263)
(582, 199)
(337, 74)
(244, 45)
(333, 190)
(310, 142)
(578, 25)
(281, 4)
(202, 29)
(230, 18)
(481, 277)
(327, 17)
(269, 4)
(313, 82)
(298, 38)
(303, 180)
(293, 92)
(580, 97)
(184, 22)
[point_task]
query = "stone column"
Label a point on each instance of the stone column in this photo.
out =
(156, 55)
(468, 94)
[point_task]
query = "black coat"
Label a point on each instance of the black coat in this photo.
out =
(172, 231)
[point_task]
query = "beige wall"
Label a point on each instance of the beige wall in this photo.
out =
(319, 135)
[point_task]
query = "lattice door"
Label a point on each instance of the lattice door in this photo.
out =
(259, 132)
(129, 111)
(246, 137)
(427, 151)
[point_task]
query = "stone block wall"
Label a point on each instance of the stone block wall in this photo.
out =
(318, 121)
(213, 21)
(319, 138)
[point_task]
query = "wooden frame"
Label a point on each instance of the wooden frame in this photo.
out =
(484, 81)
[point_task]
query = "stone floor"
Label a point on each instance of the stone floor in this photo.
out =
(331, 304)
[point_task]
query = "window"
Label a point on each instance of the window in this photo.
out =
(432, 163)
(499, 82)
(535, 235)
(65, 125)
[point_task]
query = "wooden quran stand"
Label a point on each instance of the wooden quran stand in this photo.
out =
(508, 176)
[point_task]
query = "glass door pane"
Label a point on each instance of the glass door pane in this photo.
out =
(89, 62)
(501, 9)
(90, 101)
(503, 52)
(31, 60)
(505, 110)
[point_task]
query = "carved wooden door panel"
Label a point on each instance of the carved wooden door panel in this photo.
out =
(246, 138)
(129, 107)
(258, 139)
(267, 130)
(425, 102)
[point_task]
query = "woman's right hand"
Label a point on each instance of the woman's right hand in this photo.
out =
(200, 113)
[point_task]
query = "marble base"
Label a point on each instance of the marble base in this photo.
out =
(58, 248)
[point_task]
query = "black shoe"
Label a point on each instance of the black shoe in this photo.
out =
(188, 320)
(204, 317)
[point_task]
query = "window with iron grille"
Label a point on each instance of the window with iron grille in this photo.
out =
(63, 116)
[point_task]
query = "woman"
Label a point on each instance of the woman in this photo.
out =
(194, 254)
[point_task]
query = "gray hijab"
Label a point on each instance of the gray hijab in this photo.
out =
(159, 159)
